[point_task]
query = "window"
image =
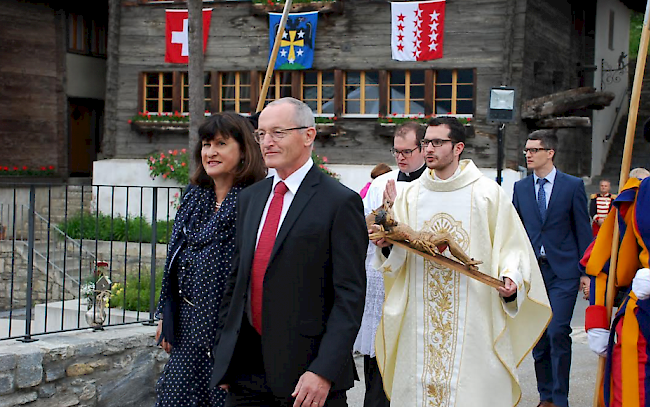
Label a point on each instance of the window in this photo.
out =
(158, 92)
(361, 92)
(235, 91)
(317, 90)
(406, 92)
(185, 96)
(454, 91)
(279, 87)
(364, 93)
(86, 35)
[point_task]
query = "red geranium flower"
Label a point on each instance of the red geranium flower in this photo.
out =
(24, 168)
(51, 167)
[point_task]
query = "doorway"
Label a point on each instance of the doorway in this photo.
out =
(85, 129)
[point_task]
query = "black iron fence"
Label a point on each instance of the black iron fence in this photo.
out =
(57, 241)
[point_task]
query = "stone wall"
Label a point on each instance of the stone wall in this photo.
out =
(115, 367)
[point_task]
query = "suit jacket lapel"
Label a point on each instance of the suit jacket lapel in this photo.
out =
(303, 195)
(533, 196)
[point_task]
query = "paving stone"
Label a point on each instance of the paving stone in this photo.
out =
(6, 383)
(78, 369)
(29, 370)
(46, 390)
(18, 399)
(7, 362)
(54, 371)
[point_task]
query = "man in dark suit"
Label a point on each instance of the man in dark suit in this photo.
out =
(294, 301)
(553, 208)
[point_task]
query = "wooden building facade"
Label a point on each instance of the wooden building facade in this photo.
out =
(66, 104)
(52, 79)
(539, 47)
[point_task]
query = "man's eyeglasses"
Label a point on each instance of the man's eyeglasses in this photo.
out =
(436, 142)
(405, 153)
(277, 134)
(534, 150)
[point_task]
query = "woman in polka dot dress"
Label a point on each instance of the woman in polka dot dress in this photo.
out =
(199, 259)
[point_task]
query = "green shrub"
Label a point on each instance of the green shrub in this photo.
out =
(101, 227)
(138, 289)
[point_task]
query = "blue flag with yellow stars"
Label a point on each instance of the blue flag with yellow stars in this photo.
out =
(297, 46)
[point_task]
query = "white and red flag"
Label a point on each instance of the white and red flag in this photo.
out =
(417, 29)
(177, 35)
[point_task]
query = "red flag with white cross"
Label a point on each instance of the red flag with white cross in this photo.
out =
(417, 29)
(177, 35)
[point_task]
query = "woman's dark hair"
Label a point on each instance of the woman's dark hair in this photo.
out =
(251, 168)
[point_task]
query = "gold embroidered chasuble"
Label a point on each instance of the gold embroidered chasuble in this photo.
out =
(445, 339)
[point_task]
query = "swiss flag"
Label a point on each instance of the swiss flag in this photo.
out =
(176, 35)
(417, 29)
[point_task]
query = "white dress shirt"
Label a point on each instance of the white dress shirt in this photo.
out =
(292, 182)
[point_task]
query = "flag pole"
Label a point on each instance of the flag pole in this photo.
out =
(625, 171)
(274, 55)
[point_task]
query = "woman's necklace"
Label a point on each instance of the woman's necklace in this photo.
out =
(217, 206)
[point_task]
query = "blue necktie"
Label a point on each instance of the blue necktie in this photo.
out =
(541, 197)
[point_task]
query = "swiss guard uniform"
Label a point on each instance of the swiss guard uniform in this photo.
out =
(599, 207)
(627, 345)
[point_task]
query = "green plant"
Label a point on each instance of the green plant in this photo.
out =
(102, 227)
(176, 117)
(173, 165)
(325, 120)
(13, 170)
(636, 26)
(400, 118)
(134, 296)
(320, 162)
(271, 2)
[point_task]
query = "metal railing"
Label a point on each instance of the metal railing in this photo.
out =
(52, 237)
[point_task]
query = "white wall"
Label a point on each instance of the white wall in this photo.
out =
(86, 76)
(134, 173)
(603, 119)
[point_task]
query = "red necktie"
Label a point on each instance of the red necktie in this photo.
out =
(263, 253)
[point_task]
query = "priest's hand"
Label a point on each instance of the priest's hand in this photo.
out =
(311, 390)
(509, 289)
(377, 242)
(390, 193)
(641, 284)
(598, 340)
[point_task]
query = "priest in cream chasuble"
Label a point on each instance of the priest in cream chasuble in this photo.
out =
(446, 339)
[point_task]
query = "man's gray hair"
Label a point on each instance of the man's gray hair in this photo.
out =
(302, 114)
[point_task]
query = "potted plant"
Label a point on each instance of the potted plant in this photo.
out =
(263, 7)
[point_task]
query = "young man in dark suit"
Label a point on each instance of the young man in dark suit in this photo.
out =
(553, 208)
(294, 301)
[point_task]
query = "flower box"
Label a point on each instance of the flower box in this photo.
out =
(151, 127)
(325, 7)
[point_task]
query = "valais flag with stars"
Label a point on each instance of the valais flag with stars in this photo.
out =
(417, 30)
(177, 35)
